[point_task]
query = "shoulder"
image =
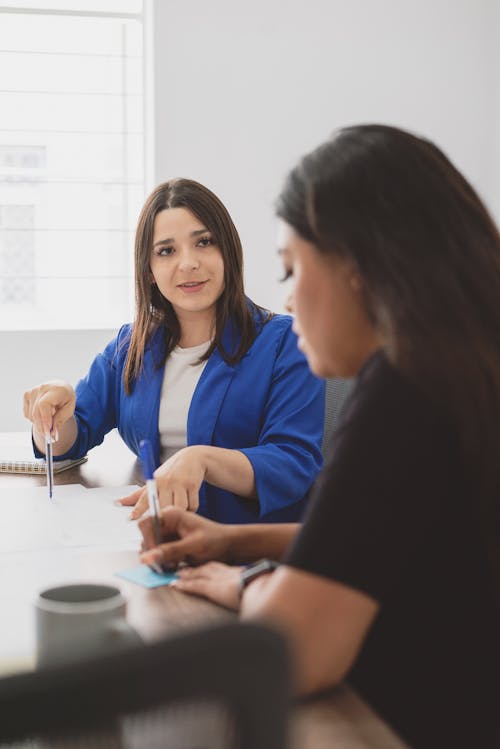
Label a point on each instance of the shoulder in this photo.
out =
(276, 340)
(390, 417)
(116, 350)
(120, 341)
(382, 389)
(275, 330)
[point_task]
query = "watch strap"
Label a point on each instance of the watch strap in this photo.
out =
(254, 570)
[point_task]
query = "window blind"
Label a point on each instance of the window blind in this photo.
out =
(71, 161)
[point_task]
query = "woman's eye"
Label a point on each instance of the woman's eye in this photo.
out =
(162, 251)
(205, 241)
(288, 274)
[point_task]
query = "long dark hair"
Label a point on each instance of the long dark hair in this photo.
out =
(428, 253)
(154, 311)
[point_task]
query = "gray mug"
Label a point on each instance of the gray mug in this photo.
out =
(80, 620)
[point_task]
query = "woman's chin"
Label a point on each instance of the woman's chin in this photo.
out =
(318, 367)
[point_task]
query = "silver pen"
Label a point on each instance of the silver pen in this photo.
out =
(49, 460)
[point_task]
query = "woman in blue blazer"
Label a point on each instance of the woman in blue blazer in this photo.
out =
(236, 427)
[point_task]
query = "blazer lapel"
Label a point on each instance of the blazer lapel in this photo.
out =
(210, 392)
(147, 396)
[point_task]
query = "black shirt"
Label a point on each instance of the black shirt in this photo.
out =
(394, 516)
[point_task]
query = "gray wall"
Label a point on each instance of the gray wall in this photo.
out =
(31, 357)
(241, 90)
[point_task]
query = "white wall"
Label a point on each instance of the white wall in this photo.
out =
(243, 89)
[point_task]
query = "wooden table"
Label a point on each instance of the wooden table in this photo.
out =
(340, 719)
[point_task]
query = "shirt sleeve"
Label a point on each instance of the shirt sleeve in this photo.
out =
(287, 457)
(381, 495)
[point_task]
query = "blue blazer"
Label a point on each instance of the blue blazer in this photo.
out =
(270, 406)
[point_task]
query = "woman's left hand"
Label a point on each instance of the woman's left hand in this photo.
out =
(178, 482)
(215, 581)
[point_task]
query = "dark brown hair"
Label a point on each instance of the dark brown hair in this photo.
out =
(429, 256)
(154, 311)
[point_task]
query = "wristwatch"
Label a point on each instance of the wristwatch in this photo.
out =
(254, 570)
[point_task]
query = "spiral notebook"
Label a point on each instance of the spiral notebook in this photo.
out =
(18, 458)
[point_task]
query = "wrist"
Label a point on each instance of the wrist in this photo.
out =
(232, 543)
(254, 571)
(202, 453)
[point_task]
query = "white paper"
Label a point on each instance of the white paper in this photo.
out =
(76, 517)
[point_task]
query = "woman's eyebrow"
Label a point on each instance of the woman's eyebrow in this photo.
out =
(171, 240)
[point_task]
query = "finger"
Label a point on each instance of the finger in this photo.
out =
(141, 506)
(180, 499)
(27, 405)
(148, 535)
(193, 500)
(170, 553)
(62, 415)
(196, 587)
(44, 413)
(170, 519)
(131, 499)
(167, 499)
(202, 570)
(34, 416)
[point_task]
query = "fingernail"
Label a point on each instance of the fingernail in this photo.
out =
(153, 564)
(155, 568)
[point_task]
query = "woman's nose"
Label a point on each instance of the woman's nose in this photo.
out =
(289, 303)
(188, 260)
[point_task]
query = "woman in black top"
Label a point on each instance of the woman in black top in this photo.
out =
(393, 580)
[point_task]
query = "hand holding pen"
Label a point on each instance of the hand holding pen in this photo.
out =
(146, 455)
(50, 407)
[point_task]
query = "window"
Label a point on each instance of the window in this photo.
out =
(71, 161)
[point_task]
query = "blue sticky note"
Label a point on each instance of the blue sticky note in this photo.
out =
(142, 575)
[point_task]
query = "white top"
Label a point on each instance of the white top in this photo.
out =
(179, 383)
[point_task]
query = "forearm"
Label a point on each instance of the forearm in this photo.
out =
(67, 435)
(325, 622)
(228, 469)
(246, 543)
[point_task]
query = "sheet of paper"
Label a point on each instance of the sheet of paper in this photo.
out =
(75, 517)
(142, 575)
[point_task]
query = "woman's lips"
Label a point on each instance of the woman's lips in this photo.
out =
(191, 287)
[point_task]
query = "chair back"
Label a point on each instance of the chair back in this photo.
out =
(337, 391)
(217, 688)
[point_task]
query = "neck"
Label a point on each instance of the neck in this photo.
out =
(196, 329)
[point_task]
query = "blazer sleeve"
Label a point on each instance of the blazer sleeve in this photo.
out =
(97, 397)
(288, 455)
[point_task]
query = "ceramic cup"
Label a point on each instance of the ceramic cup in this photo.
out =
(80, 620)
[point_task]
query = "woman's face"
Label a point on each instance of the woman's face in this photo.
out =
(331, 323)
(186, 264)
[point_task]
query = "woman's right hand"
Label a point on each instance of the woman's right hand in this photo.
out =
(187, 537)
(49, 405)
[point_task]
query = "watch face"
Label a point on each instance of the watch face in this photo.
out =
(255, 570)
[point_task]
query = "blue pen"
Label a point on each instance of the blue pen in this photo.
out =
(146, 454)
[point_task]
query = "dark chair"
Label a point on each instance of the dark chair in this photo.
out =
(337, 391)
(218, 688)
